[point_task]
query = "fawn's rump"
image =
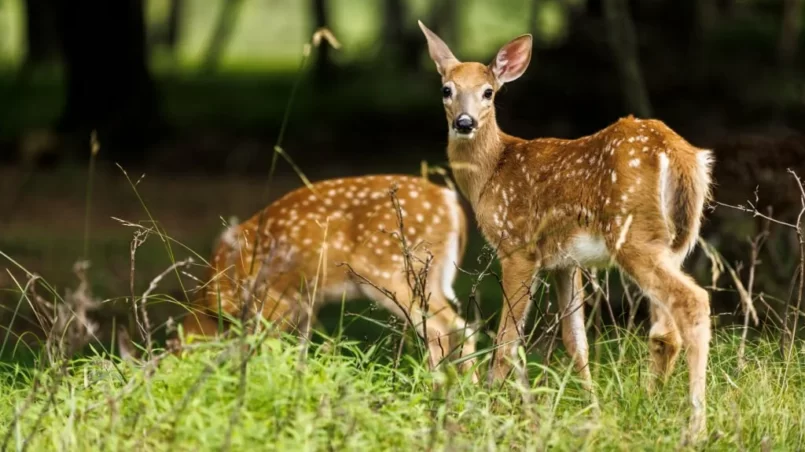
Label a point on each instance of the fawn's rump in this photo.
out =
(684, 188)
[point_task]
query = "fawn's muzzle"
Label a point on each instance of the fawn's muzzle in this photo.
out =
(464, 123)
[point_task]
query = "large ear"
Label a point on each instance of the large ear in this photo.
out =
(439, 52)
(512, 59)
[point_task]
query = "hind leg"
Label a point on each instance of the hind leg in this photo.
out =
(461, 338)
(664, 344)
(688, 305)
(434, 325)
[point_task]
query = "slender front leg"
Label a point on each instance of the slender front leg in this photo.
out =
(570, 294)
(518, 272)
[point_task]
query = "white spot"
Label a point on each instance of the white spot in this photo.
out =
(634, 163)
(614, 176)
(624, 231)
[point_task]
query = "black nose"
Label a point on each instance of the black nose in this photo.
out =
(464, 123)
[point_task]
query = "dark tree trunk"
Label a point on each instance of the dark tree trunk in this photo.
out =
(109, 87)
(393, 27)
(43, 43)
(532, 16)
(174, 18)
(443, 16)
(789, 32)
(623, 42)
(401, 47)
(227, 19)
(323, 68)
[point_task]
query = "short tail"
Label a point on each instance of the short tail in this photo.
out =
(687, 188)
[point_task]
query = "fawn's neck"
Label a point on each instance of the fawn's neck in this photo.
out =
(474, 160)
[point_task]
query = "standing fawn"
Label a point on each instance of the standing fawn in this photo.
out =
(306, 237)
(631, 195)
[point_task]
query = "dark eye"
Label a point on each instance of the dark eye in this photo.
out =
(446, 92)
(488, 93)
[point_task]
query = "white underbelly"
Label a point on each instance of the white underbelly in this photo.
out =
(583, 250)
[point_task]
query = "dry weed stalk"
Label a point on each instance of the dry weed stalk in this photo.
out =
(746, 295)
(796, 312)
(66, 324)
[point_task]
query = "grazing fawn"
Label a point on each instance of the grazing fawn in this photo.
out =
(304, 238)
(631, 194)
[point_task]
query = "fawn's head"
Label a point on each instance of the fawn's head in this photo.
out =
(468, 89)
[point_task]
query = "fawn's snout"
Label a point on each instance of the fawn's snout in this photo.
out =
(465, 124)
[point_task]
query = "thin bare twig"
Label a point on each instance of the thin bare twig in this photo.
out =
(755, 213)
(746, 297)
(801, 238)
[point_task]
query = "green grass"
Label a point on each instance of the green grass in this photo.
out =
(348, 397)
